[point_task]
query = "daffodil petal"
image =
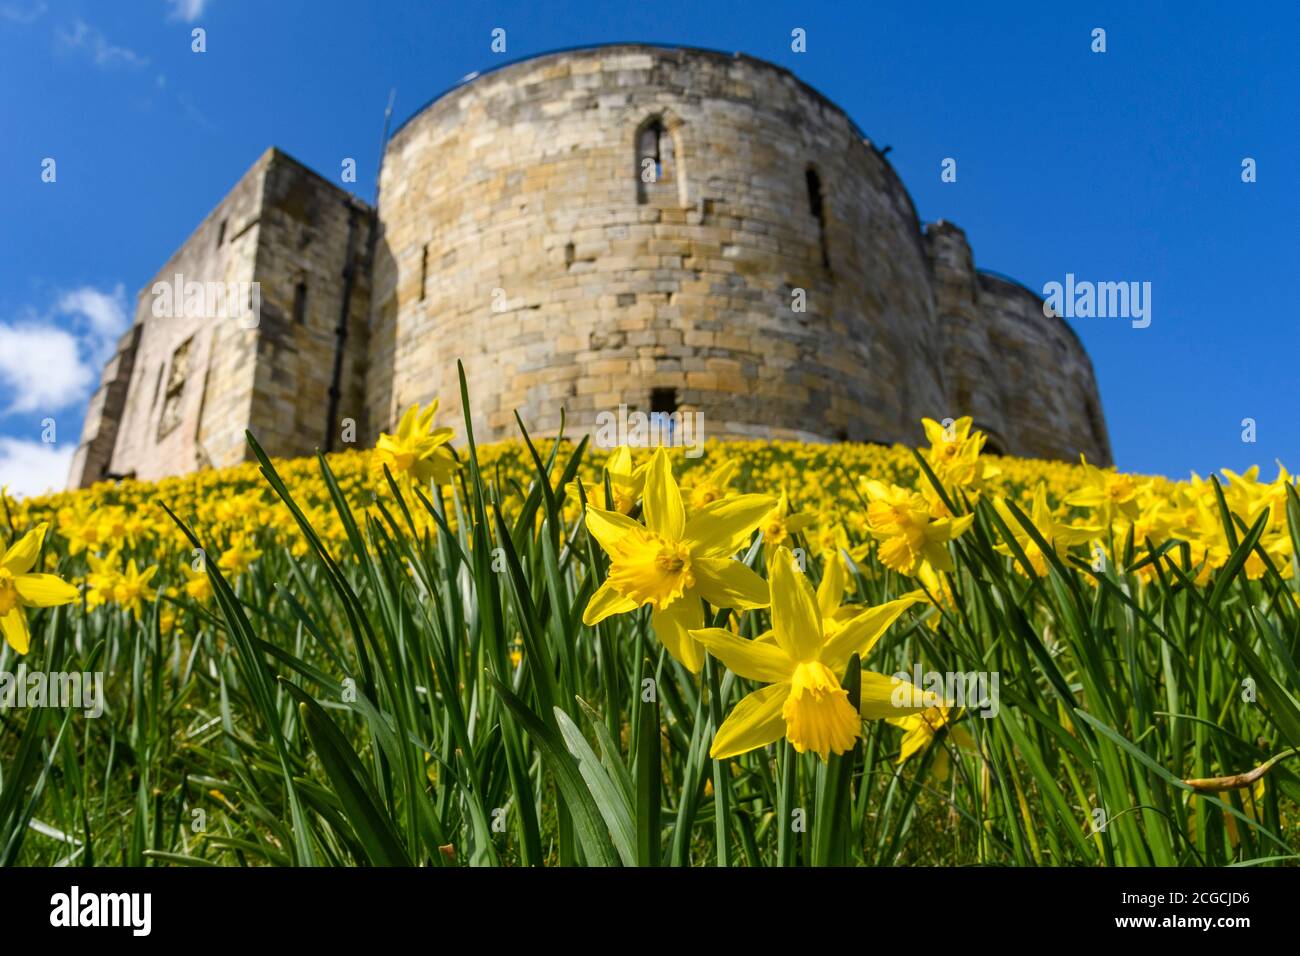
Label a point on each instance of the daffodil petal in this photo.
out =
(884, 697)
(14, 626)
(620, 461)
(673, 626)
(859, 635)
(915, 740)
(608, 527)
(830, 592)
(723, 527)
(45, 590)
(661, 499)
(795, 618)
(20, 558)
(605, 602)
(755, 660)
(727, 583)
(755, 722)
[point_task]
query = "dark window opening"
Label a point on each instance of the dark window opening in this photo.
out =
(424, 270)
(654, 154)
(221, 233)
(663, 400)
(817, 208)
(300, 303)
(180, 370)
(842, 435)
(568, 255)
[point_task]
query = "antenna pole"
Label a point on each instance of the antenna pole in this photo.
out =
(383, 141)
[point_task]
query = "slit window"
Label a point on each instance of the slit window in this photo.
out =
(817, 209)
(424, 270)
(300, 303)
(221, 233)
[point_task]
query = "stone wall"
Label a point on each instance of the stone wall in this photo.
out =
(311, 232)
(772, 273)
(103, 419)
(518, 237)
(195, 380)
(1021, 375)
(1049, 392)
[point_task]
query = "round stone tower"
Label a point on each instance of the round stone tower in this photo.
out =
(662, 228)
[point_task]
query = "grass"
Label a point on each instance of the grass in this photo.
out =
(427, 695)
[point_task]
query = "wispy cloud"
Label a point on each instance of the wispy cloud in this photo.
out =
(42, 368)
(83, 38)
(104, 311)
(33, 467)
(51, 361)
(187, 11)
(17, 13)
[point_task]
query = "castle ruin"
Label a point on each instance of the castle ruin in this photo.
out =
(662, 228)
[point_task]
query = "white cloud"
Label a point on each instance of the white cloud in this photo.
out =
(86, 39)
(186, 11)
(42, 368)
(33, 467)
(51, 361)
(105, 312)
(20, 14)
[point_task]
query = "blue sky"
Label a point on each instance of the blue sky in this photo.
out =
(1117, 166)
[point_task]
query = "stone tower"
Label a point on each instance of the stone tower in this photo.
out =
(211, 354)
(664, 228)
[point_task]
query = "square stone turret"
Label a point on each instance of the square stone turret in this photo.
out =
(257, 322)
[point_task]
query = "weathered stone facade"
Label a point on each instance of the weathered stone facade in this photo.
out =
(661, 228)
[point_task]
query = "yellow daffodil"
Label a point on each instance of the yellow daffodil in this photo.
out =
(909, 535)
(938, 592)
(418, 452)
(132, 586)
(20, 588)
(197, 584)
(1111, 494)
(778, 525)
(1059, 535)
(672, 563)
(238, 555)
(954, 456)
(625, 482)
(920, 729)
(101, 582)
(714, 487)
(804, 701)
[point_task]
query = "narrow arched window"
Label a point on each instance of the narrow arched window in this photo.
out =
(654, 160)
(817, 208)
